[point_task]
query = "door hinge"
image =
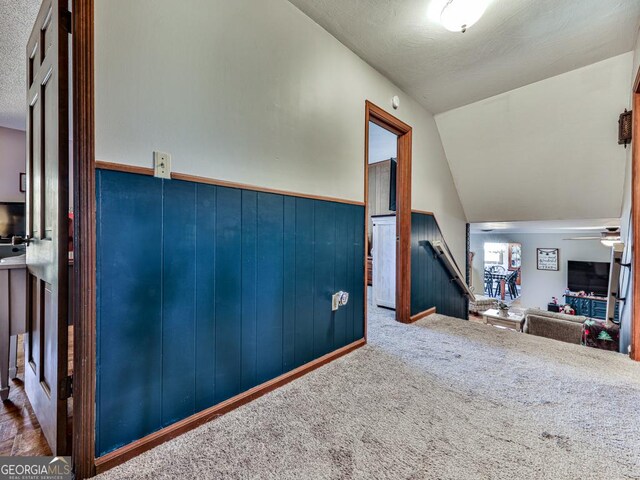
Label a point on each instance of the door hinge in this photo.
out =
(66, 387)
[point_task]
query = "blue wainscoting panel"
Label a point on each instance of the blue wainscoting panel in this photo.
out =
(218, 290)
(129, 299)
(430, 281)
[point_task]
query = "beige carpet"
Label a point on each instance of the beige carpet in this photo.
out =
(441, 399)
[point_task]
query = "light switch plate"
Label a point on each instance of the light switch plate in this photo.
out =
(161, 165)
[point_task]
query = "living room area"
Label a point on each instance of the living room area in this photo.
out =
(568, 273)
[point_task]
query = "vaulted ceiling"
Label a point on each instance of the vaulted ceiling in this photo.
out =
(515, 43)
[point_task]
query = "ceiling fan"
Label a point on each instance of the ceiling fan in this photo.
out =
(608, 237)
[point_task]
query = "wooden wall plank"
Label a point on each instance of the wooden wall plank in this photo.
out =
(304, 300)
(324, 252)
(178, 300)
(343, 218)
(270, 280)
(249, 288)
(205, 296)
(130, 271)
(289, 287)
(358, 285)
(228, 346)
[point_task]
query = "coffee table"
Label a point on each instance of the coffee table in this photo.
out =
(511, 320)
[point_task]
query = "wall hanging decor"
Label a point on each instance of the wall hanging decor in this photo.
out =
(548, 259)
(625, 128)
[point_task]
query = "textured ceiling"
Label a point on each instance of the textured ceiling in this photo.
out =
(16, 20)
(515, 43)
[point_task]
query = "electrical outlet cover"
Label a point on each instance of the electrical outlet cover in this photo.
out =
(161, 165)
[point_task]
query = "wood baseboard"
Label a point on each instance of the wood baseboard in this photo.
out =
(421, 315)
(134, 449)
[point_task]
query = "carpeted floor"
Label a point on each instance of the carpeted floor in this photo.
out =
(441, 399)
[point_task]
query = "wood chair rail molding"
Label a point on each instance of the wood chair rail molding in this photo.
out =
(118, 167)
(134, 449)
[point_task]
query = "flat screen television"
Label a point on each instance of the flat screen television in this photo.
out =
(589, 276)
(12, 220)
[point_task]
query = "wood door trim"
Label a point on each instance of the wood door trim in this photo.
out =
(421, 315)
(127, 452)
(221, 183)
(84, 233)
(387, 121)
(635, 220)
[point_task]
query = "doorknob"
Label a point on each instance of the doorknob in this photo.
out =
(16, 240)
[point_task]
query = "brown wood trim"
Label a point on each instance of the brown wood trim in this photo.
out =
(84, 236)
(120, 167)
(127, 452)
(403, 293)
(423, 212)
(421, 315)
(387, 121)
(221, 183)
(635, 221)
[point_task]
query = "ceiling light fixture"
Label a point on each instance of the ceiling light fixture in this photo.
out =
(458, 15)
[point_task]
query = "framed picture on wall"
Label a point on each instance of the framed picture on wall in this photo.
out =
(548, 259)
(23, 182)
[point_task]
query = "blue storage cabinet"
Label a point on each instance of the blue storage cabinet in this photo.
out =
(591, 307)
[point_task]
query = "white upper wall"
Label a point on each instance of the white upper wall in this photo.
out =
(626, 231)
(546, 151)
(252, 92)
(13, 151)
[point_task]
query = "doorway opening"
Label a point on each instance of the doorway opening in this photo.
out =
(388, 211)
(503, 271)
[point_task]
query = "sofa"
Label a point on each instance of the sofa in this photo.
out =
(482, 304)
(557, 326)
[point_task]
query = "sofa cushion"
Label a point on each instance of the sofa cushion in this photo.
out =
(560, 316)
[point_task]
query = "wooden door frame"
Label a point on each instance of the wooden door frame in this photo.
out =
(84, 240)
(404, 132)
(635, 220)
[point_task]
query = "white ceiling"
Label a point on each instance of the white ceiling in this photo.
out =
(577, 227)
(546, 151)
(515, 43)
(16, 20)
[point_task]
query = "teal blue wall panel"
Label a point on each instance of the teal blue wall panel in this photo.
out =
(129, 279)
(220, 290)
(430, 281)
(205, 264)
(178, 301)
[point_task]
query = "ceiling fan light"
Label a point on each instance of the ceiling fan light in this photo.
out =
(458, 15)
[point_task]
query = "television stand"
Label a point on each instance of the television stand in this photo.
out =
(592, 307)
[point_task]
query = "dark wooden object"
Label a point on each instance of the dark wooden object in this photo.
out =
(47, 207)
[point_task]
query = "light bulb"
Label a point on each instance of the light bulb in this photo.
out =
(458, 15)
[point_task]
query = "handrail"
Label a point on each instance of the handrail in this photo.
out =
(449, 262)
